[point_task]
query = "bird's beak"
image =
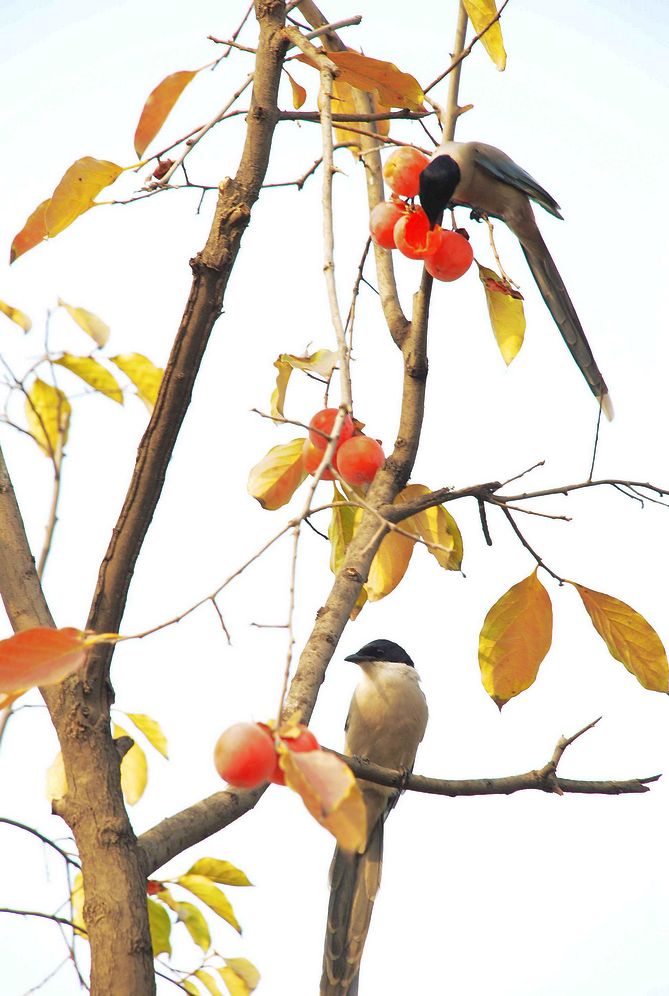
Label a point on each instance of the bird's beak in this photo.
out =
(355, 658)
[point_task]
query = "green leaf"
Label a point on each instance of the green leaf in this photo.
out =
(93, 374)
(219, 871)
(195, 923)
(48, 415)
(134, 769)
(151, 730)
(211, 896)
(343, 524)
(90, 323)
(146, 377)
(160, 927)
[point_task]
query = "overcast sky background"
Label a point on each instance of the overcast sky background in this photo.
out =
(527, 896)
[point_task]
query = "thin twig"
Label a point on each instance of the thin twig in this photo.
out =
(527, 546)
(45, 840)
(466, 51)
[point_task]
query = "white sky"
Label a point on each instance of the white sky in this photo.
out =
(526, 896)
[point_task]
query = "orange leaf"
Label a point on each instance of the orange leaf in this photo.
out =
(32, 233)
(330, 792)
(392, 87)
(299, 93)
(515, 638)
(629, 637)
(158, 105)
(40, 656)
(75, 193)
(275, 479)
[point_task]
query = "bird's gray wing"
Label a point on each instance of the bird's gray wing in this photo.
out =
(558, 302)
(503, 168)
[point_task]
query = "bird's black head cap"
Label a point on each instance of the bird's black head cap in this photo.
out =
(381, 650)
(437, 182)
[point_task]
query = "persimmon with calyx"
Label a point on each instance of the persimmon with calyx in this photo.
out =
(402, 169)
(382, 222)
(359, 459)
(413, 236)
(298, 738)
(321, 425)
(452, 256)
(311, 458)
(244, 755)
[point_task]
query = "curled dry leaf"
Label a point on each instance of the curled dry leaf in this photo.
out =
(515, 638)
(330, 792)
(629, 637)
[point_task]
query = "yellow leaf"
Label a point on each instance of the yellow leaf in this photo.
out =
(383, 79)
(145, 376)
(48, 415)
(75, 193)
(195, 924)
(342, 527)
(32, 233)
(275, 479)
(436, 526)
(134, 769)
(507, 317)
(236, 986)
(160, 927)
(56, 782)
(93, 374)
(190, 987)
(299, 93)
(330, 792)
(322, 362)
(208, 982)
(389, 565)
(158, 105)
(481, 13)
(515, 638)
(151, 730)
(17, 316)
(208, 893)
(86, 320)
(629, 637)
(77, 901)
(219, 871)
(343, 102)
(245, 969)
(40, 656)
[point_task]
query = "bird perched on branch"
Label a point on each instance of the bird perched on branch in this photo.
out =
(488, 181)
(385, 724)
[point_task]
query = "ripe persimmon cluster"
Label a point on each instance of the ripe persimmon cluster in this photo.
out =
(246, 754)
(357, 457)
(401, 224)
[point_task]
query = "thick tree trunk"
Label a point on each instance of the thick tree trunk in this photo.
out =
(114, 874)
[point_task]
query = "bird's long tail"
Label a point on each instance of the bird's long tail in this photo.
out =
(558, 302)
(354, 880)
